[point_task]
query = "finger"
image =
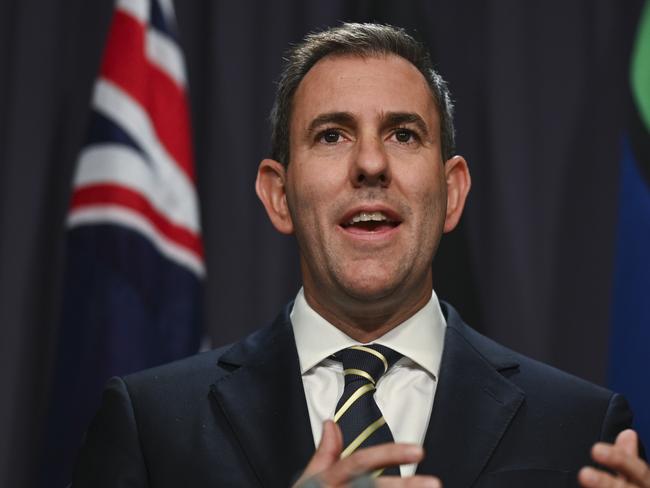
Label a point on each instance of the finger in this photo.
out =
(410, 482)
(628, 441)
(328, 451)
(370, 459)
(594, 478)
(628, 465)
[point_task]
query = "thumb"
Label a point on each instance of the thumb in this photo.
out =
(628, 441)
(327, 453)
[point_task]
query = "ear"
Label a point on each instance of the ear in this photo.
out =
(458, 185)
(270, 188)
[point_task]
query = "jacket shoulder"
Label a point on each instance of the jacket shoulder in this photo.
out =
(526, 372)
(199, 368)
(198, 372)
(560, 417)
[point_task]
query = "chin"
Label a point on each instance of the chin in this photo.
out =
(370, 288)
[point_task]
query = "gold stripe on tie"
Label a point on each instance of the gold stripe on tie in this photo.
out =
(377, 473)
(368, 431)
(359, 372)
(353, 398)
(374, 353)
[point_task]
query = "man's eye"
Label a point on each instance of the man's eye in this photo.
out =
(330, 136)
(404, 135)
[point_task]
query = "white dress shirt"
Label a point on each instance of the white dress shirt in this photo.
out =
(404, 393)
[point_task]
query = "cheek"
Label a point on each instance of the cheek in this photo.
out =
(307, 206)
(424, 183)
(430, 201)
(314, 191)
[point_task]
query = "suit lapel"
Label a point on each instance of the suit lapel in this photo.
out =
(263, 400)
(473, 406)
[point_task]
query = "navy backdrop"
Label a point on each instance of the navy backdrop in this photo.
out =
(540, 89)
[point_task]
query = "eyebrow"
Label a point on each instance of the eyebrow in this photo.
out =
(337, 118)
(392, 119)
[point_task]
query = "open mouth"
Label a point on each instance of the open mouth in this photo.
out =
(376, 221)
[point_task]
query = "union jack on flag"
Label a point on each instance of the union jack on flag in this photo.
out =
(134, 263)
(136, 169)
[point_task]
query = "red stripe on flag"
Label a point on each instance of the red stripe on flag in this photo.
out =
(126, 65)
(107, 194)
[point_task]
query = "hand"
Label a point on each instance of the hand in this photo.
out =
(327, 469)
(622, 457)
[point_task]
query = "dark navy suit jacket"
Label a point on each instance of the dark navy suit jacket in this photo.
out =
(237, 416)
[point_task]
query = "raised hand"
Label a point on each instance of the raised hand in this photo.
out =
(621, 457)
(326, 469)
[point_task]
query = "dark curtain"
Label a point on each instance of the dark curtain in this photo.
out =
(539, 87)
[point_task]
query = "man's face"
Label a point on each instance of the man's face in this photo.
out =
(366, 186)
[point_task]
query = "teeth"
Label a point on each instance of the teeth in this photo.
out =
(368, 217)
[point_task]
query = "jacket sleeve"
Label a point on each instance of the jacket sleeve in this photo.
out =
(111, 455)
(618, 418)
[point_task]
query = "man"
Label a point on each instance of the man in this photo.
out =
(364, 174)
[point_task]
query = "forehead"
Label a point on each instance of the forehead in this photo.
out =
(363, 86)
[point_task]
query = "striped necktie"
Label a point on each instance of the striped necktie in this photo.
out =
(359, 417)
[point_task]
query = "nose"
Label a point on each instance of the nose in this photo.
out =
(370, 165)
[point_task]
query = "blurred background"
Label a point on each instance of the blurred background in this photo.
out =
(542, 108)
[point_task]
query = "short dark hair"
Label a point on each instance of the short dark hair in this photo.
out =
(363, 40)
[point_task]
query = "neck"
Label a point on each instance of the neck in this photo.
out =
(366, 321)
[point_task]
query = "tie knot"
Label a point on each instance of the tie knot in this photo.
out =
(373, 360)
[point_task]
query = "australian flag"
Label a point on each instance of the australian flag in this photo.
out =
(134, 252)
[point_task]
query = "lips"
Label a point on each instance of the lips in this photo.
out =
(370, 220)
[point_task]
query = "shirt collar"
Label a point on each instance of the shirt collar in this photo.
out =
(419, 338)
